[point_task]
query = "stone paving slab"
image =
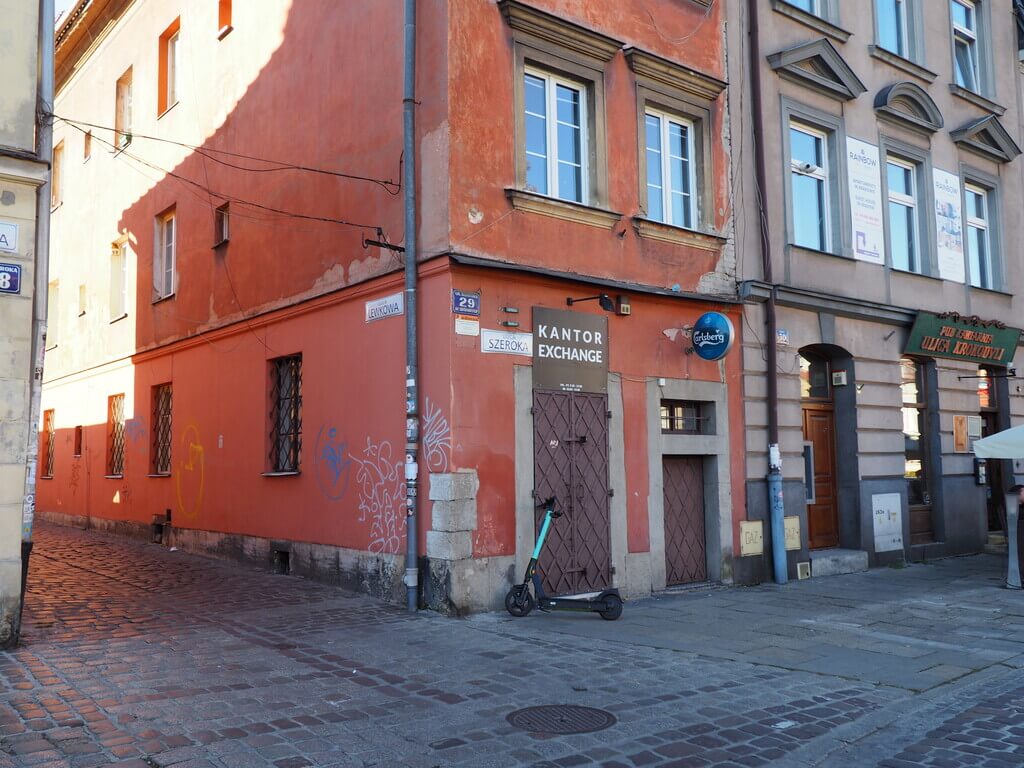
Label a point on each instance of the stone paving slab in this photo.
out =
(137, 656)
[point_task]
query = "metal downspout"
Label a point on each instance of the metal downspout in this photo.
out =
(44, 123)
(775, 498)
(412, 419)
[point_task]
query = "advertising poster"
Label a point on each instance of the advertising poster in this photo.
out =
(949, 226)
(866, 210)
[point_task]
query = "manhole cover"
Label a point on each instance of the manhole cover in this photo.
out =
(561, 719)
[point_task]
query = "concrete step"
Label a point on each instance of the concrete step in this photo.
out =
(832, 562)
(996, 544)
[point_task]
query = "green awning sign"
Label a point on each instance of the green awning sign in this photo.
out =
(956, 337)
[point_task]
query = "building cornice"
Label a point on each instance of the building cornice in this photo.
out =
(757, 291)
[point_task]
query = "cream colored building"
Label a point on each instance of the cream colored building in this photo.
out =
(22, 172)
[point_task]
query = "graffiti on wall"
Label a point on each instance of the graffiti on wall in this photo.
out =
(437, 438)
(333, 467)
(191, 474)
(134, 430)
(381, 491)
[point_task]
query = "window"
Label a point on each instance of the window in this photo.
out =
(123, 111)
(893, 27)
(671, 175)
(221, 225)
(57, 176)
(901, 177)
(285, 413)
(87, 146)
(810, 187)
(52, 314)
(115, 435)
(814, 377)
(168, 66)
(811, 6)
(78, 442)
(965, 44)
(223, 18)
(683, 417)
(160, 456)
(979, 241)
(81, 300)
(118, 280)
(163, 256)
(49, 443)
(555, 114)
(986, 390)
(916, 452)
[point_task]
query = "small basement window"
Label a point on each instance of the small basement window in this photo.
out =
(685, 417)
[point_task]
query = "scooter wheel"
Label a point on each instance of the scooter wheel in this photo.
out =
(614, 609)
(519, 602)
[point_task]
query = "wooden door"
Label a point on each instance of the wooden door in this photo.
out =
(685, 543)
(823, 514)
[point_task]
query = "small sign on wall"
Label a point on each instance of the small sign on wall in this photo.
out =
(960, 443)
(887, 510)
(8, 236)
(751, 537)
(10, 278)
(792, 524)
(389, 306)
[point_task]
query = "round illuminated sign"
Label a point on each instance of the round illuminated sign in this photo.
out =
(713, 335)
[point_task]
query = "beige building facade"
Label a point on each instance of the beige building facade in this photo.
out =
(890, 131)
(22, 172)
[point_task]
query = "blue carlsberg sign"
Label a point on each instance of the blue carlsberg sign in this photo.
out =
(713, 335)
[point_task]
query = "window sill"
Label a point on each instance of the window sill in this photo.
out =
(113, 477)
(901, 63)
(55, 207)
(46, 477)
(669, 233)
(282, 474)
(907, 272)
(221, 243)
(977, 99)
(224, 32)
(166, 110)
(995, 291)
(81, 314)
(119, 318)
(562, 209)
(806, 249)
(160, 299)
(159, 474)
(810, 20)
(122, 147)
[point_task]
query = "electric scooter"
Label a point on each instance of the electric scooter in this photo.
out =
(519, 601)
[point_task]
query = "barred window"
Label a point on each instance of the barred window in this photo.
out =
(684, 417)
(49, 438)
(115, 435)
(285, 413)
(160, 457)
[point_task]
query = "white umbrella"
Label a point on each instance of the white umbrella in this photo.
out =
(1008, 444)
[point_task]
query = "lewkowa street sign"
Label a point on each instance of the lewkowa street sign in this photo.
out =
(570, 350)
(970, 339)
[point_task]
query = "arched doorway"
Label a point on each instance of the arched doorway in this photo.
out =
(819, 426)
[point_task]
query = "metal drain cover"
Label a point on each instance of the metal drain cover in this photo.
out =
(561, 719)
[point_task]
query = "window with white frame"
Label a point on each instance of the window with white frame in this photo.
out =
(164, 255)
(979, 240)
(671, 172)
(811, 6)
(809, 180)
(118, 280)
(904, 245)
(964, 14)
(555, 121)
(893, 26)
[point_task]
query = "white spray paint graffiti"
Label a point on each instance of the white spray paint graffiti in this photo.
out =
(437, 438)
(381, 494)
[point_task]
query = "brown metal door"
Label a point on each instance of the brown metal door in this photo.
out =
(685, 544)
(570, 433)
(823, 514)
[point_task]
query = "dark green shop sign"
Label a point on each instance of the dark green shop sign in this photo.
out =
(955, 337)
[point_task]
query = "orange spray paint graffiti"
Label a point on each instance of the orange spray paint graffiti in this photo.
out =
(191, 475)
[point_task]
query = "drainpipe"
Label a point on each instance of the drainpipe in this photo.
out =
(44, 108)
(775, 500)
(412, 418)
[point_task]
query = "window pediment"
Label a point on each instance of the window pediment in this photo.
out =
(551, 29)
(988, 138)
(818, 65)
(675, 76)
(909, 105)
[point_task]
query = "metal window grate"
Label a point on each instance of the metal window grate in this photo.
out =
(115, 435)
(285, 413)
(51, 439)
(684, 417)
(161, 461)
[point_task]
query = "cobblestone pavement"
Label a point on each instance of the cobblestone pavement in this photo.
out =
(137, 656)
